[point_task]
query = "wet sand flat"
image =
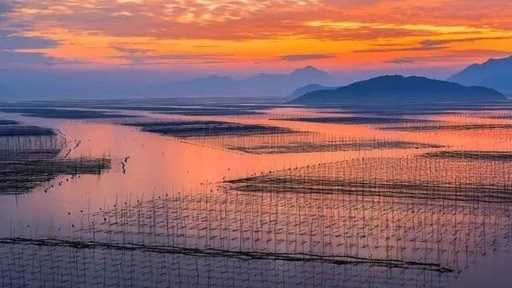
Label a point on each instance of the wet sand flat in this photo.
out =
(353, 205)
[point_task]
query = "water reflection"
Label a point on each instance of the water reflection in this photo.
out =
(163, 215)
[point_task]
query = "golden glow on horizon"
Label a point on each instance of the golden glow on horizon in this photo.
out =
(440, 29)
(283, 33)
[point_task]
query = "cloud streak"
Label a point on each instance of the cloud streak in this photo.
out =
(4, 8)
(306, 57)
(235, 34)
(15, 59)
(14, 42)
(428, 45)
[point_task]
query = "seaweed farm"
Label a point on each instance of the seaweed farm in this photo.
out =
(428, 177)
(30, 156)
(24, 130)
(184, 129)
(63, 113)
(192, 110)
(254, 197)
(289, 143)
(428, 128)
(362, 120)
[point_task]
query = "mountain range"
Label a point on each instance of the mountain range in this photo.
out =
(125, 84)
(495, 73)
(263, 84)
(399, 90)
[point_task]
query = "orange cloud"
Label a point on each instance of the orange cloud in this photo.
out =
(274, 33)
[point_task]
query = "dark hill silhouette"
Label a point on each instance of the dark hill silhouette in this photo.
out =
(398, 89)
(495, 73)
(308, 89)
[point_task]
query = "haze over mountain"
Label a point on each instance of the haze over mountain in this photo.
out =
(495, 73)
(58, 84)
(263, 84)
(108, 84)
(309, 88)
(399, 89)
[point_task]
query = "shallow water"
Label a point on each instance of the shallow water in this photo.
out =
(165, 191)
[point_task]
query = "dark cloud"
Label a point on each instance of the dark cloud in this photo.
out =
(4, 8)
(458, 56)
(10, 58)
(421, 47)
(12, 46)
(438, 43)
(306, 57)
(133, 51)
(178, 59)
(426, 45)
(147, 56)
(402, 60)
(13, 42)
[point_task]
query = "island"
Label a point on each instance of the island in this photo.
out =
(398, 89)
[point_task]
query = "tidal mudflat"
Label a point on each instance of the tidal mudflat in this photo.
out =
(185, 129)
(428, 128)
(62, 113)
(255, 200)
(359, 120)
(194, 110)
(11, 128)
(31, 156)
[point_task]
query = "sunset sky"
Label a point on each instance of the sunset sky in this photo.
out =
(253, 35)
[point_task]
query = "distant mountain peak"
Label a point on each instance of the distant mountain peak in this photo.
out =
(309, 70)
(498, 60)
(494, 73)
(257, 85)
